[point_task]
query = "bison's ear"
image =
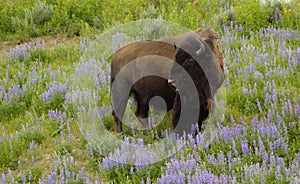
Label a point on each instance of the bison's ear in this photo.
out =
(175, 46)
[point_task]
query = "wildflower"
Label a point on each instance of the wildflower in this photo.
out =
(258, 105)
(245, 91)
(297, 110)
(52, 178)
(278, 174)
(272, 159)
(23, 178)
(234, 147)
(245, 148)
(3, 179)
(31, 147)
(221, 157)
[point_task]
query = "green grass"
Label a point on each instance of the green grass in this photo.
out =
(25, 119)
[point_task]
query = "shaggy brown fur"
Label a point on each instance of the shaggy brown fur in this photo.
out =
(150, 86)
(206, 71)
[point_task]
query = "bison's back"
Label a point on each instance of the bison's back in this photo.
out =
(134, 51)
(142, 57)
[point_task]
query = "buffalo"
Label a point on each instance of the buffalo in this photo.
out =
(196, 52)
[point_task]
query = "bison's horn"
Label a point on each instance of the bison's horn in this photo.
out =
(201, 49)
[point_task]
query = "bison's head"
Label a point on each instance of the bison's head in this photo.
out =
(210, 37)
(200, 56)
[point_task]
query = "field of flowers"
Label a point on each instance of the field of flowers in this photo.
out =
(257, 140)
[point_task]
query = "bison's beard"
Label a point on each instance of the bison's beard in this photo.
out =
(187, 94)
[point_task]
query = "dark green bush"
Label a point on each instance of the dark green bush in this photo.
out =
(41, 13)
(75, 17)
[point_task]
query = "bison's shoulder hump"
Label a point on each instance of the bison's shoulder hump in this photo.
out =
(140, 49)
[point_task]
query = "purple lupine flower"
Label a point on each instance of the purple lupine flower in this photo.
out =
(68, 175)
(258, 105)
(3, 178)
(278, 174)
(265, 156)
(292, 125)
(234, 147)
(255, 148)
(274, 96)
(297, 110)
(26, 161)
(245, 91)
(199, 139)
(23, 178)
(221, 157)
(281, 162)
(90, 149)
(62, 174)
(131, 170)
(10, 146)
(226, 133)
(287, 172)
(207, 145)
(298, 156)
(19, 164)
(81, 172)
(229, 157)
(204, 176)
(227, 84)
(245, 148)
(31, 147)
(290, 107)
(232, 119)
(272, 159)
(52, 178)
(57, 115)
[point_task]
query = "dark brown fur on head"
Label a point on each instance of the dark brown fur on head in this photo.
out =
(210, 37)
(205, 65)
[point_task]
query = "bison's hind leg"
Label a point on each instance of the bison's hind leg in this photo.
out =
(118, 111)
(142, 110)
(176, 111)
(118, 122)
(205, 110)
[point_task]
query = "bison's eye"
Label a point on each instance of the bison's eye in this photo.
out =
(190, 61)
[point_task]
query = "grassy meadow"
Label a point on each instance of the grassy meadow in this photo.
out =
(42, 43)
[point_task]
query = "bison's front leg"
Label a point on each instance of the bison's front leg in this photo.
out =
(118, 122)
(176, 110)
(203, 114)
(142, 109)
(205, 110)
(118, 117)
(119, 102)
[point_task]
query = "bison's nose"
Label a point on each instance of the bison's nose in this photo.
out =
(171, 81)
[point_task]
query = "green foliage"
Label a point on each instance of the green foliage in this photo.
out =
(36, 174)
(227, 17)
(33, 134)
(252, 15)
(11, 109)
(38, 55)
(75, 17)
(150, 12)
(41, 13)
(64, 148)
(56, 102)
